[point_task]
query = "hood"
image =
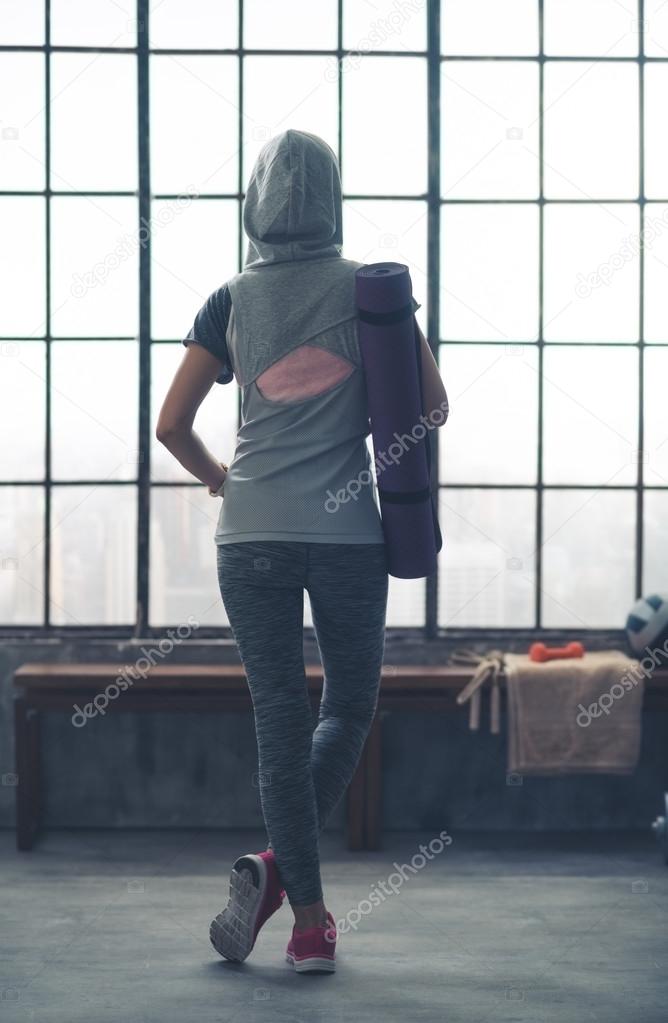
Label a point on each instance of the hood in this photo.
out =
(293, 206)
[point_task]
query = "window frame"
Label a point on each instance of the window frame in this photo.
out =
(434, 202)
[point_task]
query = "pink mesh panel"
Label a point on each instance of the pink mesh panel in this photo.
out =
(303, 373)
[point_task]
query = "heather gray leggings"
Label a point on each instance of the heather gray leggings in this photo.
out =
(302, 773)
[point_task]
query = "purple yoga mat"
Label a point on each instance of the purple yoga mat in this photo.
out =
(390, 349)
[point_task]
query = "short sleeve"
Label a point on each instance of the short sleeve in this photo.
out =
(210, 328)
(416, 305)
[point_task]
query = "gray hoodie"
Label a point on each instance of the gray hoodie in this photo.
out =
(293, 207)
(301, 467)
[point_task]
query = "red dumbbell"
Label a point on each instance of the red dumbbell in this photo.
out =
(540, 652)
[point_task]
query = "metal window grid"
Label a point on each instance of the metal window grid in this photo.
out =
(434, 202)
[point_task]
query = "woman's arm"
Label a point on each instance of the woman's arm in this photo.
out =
(433, 387)
(192, 382)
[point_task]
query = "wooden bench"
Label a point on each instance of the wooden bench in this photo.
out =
(208, 689)
(222, 688)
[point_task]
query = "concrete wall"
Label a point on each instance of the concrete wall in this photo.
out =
(139, 770)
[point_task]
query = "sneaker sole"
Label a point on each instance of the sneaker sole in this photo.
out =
(313, 964)
(232, 932)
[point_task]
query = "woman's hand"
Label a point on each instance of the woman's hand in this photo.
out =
(217, 491)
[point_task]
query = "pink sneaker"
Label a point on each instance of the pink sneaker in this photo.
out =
(255, 894)
(313, 951)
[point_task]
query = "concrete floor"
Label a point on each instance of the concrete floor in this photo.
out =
(104, 926)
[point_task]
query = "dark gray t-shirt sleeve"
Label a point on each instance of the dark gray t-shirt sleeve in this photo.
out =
(209, 330)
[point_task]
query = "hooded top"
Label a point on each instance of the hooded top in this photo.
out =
(295, 284)
(293, 207)
(301, 467)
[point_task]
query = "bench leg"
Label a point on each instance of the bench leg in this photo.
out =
(26, 746)
(373, 796)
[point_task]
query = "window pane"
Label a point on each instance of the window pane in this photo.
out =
(391, 230)
(192, 254)
(22, 124)
(189, 24)
(94, 555)
(303, 95)
(655, 468)
(406, 602)
(590, 432)
(93, 23)
(489, 27)
(94, 266)
(591, 28)
(656, 542)
(94, 410)
(588, 552)
(21, 22)
(655, 241)
(22, 266)
(183, 579)
(656, 28)
(216, 420)
(188, 96)
(585, 156)
(384, 25)
(22, 409)
(590, 273)
(489, 272)
(486, 564)
(21, 555)
(290, 25)
(93, 122)
(489, 130)
(656, 145)
(378, 157)
(498, 384)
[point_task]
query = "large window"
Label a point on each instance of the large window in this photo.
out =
(510, 152)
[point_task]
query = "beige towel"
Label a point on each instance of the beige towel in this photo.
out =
(578, 716)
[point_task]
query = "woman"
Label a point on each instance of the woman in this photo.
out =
(285, 328)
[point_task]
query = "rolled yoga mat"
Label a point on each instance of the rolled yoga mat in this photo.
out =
(390, 349)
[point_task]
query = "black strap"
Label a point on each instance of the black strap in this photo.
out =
(384, 319)
(404, 496)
